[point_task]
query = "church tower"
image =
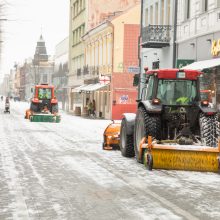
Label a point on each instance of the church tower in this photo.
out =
(43, 67)
(40, 52)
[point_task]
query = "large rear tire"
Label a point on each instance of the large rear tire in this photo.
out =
(126, 141)
(145, 125)
(209, 129)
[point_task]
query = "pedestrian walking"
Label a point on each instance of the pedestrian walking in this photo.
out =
(90, 109)
(93, 108)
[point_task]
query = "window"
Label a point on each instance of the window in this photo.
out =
(187, 9)
(44, 93)
(147, 22)
(168, 12)
(78, 33)
(176, 92)
(162, 13)
(74, 37)
(80, 5)
(45, 78)
(204, 5)
(151, 14)
(150, 88)
(156, 13)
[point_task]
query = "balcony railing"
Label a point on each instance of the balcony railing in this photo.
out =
(156, 36)
(85, 70)
(94, 70)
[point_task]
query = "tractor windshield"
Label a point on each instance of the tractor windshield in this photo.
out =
(44, 93)
(176, 92)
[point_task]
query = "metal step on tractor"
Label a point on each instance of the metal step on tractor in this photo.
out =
(173, 127)
(44, 105)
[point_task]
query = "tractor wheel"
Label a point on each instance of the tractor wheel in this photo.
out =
(54, 108)
(209, 129)
(126, 141)
(34, 107)
(145, 125)
(148, 160)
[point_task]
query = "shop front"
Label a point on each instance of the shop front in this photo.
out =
(205, 51)
(99, 95)
(124, 95)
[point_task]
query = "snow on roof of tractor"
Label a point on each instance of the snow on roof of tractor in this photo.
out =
(174, 73)
(44, 86)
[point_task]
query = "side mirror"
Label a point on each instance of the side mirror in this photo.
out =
(136, 79)
(32, 90)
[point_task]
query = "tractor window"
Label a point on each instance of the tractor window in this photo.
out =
(44, 93)
(150, 88)
(176, 92)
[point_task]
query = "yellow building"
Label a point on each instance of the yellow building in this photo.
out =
(98, 56)
(105, 54)
(85, 15)
(78, 25)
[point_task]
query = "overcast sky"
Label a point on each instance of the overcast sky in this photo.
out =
(23, 28)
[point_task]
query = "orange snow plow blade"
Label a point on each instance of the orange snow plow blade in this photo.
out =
(179, 157)
(112, 136)
(28, 113)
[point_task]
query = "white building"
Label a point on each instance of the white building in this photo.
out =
(157, 34)
(60, 75)
(198, 39)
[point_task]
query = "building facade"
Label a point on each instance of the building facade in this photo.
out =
(59, 77)
(198, 40)
(39, 69)
(157, 34)
(5, 88)
(111, 56)
(84, 16)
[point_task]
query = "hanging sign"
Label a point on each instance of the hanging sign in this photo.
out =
(104, 80)
(215, 50)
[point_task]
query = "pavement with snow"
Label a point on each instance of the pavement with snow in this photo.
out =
(59, 171)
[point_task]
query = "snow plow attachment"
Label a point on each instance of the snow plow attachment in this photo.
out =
(112, 136)
(172, 156)
(45, 118)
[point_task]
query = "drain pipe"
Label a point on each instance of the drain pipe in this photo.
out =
(139, 49)
(175, 33)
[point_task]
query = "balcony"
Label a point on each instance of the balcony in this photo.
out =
(94, 70)
(85, 70)
(156, 36)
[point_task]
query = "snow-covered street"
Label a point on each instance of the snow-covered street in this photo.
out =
(59, 171)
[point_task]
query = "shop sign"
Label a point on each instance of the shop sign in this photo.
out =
(182, 62)
(133, 69)
(123, 99)
(215, 50)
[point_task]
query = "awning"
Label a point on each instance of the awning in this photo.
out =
(89, 87)
(93, 87)
(79, 88)
(205, 64)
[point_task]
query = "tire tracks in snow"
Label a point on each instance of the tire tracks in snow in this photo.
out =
(154, 195)
(112, 167)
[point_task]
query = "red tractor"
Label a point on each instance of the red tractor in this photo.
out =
(44, 105)
(173, 128)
